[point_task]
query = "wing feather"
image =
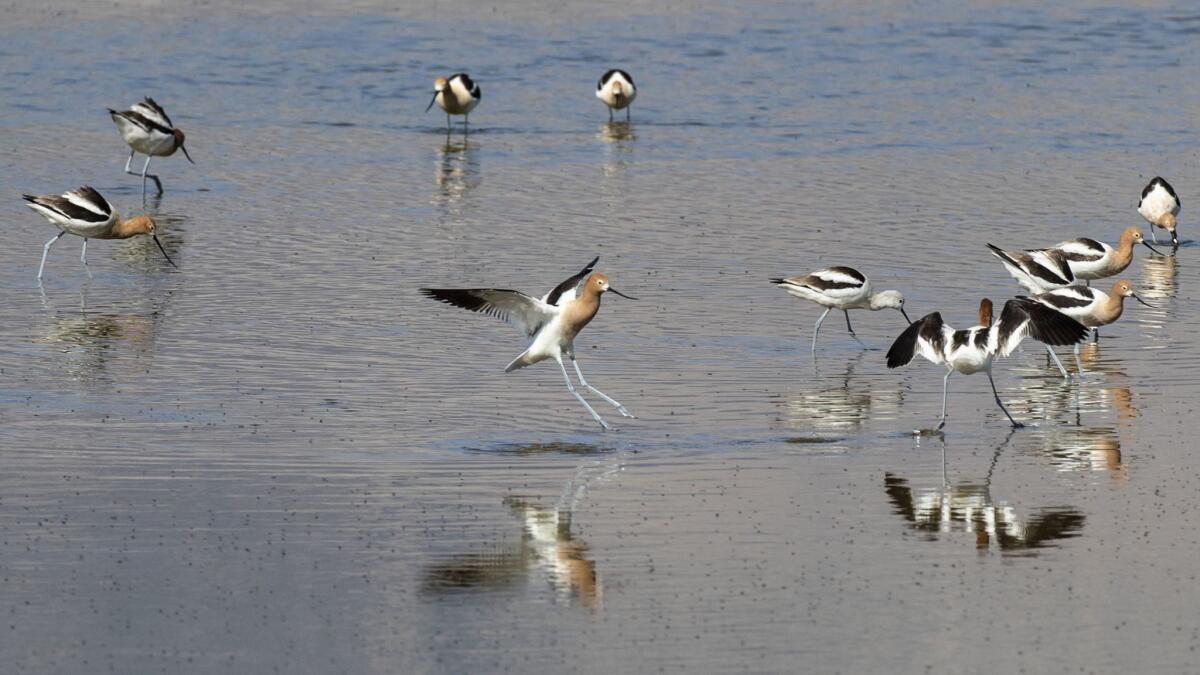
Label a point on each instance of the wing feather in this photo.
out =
(1023, 317)
(525, 312)
(569, 289)
(926, 336)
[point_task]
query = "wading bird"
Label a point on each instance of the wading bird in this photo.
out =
(146, 128)
(1090, 259)
(457, 95)
(972, 350)
(1090, 307)
(617, 90)
(552, 321)
(841, 288)
(83, 212)
(1159, 205)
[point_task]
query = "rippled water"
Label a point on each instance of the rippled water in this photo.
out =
(280, 457)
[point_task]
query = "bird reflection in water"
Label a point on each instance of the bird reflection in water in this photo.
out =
(457, 171)
(547, 550)
(1104, 391)
(1156, 278)
(618, 138)
(842, 403)
(969, 508)
(1085, 449)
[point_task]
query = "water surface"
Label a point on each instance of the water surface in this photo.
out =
(279, 457)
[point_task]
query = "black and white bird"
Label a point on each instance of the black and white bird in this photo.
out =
(1159, 205)
(457, 95)
(1037, 270)
(617, 90)
(1089, 259)
(146, 128)
(1089, 306)
(552, 321)
(841, 288)
(973, 350)
(85, 213)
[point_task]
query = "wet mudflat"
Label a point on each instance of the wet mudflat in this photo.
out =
(281, 457)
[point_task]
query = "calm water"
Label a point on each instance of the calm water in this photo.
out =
(280, 458)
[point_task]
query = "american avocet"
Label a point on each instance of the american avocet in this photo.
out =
(840, 288)
(1037, 270)
(146, 128)
(457, 95)
(1090, 307)
(552, 321)
(1159, 205)
(83, 212)
(1090, 259)
(617, 90)
(972, 350)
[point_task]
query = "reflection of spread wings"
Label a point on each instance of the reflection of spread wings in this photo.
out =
(528, 314)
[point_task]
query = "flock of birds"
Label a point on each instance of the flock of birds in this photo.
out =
(1059, 311)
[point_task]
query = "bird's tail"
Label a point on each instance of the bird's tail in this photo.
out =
(525, 359)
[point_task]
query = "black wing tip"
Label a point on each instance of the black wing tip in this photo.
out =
(904, 348)
(1049, 326)
(778, 281)
(30, 198)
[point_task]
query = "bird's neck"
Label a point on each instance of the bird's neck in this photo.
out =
(1124, 253)
(1110, 310)
(580, 311)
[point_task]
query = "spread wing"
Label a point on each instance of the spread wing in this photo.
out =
(927, 336)
(1023, 317)
(567, 290)
(527, 313)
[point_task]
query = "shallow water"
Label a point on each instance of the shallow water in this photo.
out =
(280, 457)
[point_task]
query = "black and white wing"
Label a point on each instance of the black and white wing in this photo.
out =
(834, 283)
(1023, 317)
(151, 110)
(1168, 198)
(525, 312)
(1068, 298)
(149, 118)
(1042, 268)
(1081, 250)
(83, 206)
(569, 289)
(927, 336)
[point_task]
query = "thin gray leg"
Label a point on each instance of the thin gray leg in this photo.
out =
(1050, 351)
(83, 258)
(571, 388)
(818, 329)
(851, 328)
(610, 115)
(945, 385)
(626, 113)
(46, 252)
(1078, 363)
(620, 408)
(128, 161)
(1095, 335)
(1015, 424)
(157, 182)
(1153, 234)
